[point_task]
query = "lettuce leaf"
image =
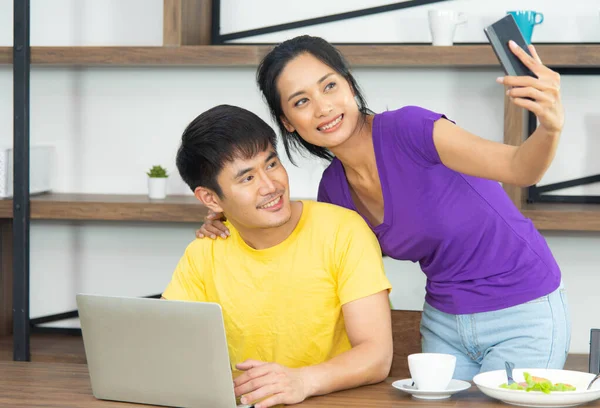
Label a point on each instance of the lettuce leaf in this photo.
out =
(544, 385)
(563, 387)
(513, 386)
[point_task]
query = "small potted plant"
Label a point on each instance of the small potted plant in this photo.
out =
(157, 182)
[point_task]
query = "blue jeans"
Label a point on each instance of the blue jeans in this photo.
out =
(536, 334)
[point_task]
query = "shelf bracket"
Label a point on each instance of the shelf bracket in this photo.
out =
(36, 324)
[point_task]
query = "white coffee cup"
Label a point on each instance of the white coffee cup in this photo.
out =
(431, 371)
(442, 25)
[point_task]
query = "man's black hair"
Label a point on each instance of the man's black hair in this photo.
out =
(218, 136)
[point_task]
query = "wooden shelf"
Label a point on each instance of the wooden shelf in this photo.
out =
(98, 207)
(480, 55)
(103, 207)
(123, 56)
(563, 217)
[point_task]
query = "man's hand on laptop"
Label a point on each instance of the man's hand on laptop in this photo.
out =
(272, 382)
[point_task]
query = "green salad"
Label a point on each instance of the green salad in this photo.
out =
(533, 383)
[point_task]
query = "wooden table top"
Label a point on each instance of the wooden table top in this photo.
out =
(30, 384)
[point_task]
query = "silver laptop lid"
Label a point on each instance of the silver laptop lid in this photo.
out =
(153, 351)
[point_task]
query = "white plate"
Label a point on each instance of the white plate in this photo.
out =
(489, 384)
(454, 387)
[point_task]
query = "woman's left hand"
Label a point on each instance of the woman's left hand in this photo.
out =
(544, 90)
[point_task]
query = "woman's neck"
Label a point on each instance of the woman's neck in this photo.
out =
(357, 154)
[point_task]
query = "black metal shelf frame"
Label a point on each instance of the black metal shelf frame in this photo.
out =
(221, 39)
(535, 193)
(36, 324)
(21, 211)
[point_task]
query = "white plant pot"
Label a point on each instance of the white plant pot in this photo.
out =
(157, 187)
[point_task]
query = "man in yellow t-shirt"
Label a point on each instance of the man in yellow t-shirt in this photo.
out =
(301, 283)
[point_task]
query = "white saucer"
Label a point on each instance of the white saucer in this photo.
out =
(454, 387)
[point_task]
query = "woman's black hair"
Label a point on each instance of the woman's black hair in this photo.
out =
(270, 69)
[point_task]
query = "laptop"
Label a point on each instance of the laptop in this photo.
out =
(159, 352)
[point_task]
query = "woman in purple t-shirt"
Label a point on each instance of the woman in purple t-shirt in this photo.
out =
(430, 192)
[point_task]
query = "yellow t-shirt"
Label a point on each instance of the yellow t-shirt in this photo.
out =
(283, 304)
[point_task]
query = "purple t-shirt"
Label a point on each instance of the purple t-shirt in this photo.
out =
(478, 251)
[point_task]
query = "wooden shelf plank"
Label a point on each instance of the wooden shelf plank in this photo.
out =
(98, 207)
(419, 56)
(563, 217)
(123, 56)
(104, 207)
(481, 55)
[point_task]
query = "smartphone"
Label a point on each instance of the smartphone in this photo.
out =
(499, 34)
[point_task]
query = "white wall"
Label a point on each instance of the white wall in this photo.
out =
(577, 22)
(110, 124)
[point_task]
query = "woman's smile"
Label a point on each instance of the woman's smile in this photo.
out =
(332, 125)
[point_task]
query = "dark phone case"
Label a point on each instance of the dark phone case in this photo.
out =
(499, 34)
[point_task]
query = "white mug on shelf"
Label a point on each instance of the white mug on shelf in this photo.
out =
(442, 24)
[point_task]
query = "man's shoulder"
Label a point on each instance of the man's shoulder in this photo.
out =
(210, 253)
(331, 214)
(201, 246)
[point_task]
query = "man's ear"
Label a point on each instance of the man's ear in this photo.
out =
(209, 198)
(286, 124)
